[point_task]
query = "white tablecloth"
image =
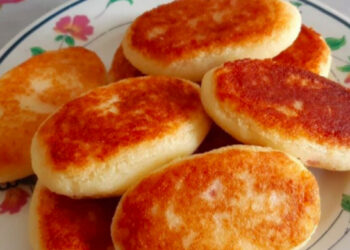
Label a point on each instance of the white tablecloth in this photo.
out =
(15, 15)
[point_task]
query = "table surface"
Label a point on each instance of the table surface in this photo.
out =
(15, 15)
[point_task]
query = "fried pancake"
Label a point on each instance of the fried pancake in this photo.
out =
(186, 38)
(309, 51)
(33, 90)
(57, 222)
(121, 68)
(284, 107)
(237, 197)
(101, 143)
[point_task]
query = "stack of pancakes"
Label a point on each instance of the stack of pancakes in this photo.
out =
(252, 69)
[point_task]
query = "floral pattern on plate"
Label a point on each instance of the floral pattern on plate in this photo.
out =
(94, 24)
(9, 1)
(69, 28)
(15, 199)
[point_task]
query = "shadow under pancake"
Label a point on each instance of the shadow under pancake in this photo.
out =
(216, 138)
(121, 68)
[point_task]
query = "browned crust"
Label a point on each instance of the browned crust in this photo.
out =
(144, 108)
(290, 101)
(309, 51)
(233, 211)
(17, 125)
(184, 28)
(66, 223)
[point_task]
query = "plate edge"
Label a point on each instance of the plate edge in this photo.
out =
(17, 39)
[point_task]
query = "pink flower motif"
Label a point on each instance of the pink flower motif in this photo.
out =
(78, 27)
(10, 1)
(347, 79)
(15, 199)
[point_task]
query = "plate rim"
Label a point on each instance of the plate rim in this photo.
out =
(31, 28)
(325, 8)
(36, 24)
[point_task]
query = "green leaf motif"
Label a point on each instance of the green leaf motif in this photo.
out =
(114, 1)
(69, 41)
(345, 202)
(296, 4)
(36, 51)
(345, 68)
(336, 43)
(59, 38)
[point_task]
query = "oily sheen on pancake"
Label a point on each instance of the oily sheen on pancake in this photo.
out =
(284, 107)
(32, 91)
(309, 51)
(121, 68)
(101, 143)
(57, 222)
(237, 197)
(186, 38)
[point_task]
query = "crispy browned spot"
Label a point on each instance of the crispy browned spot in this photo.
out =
(121, 68)
(183, 28)
(228, 200)
(285, 98)
(66, 223)
(48, 80)
(308, 51)
(139, 110)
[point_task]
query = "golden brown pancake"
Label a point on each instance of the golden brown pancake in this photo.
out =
(32, 91)
(121, 68)
(239, 197)
(309, 51)
(57, 222)
(186, 38)
(284, 107)
(101, 143)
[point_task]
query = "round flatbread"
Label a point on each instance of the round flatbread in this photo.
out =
(57, 222)
(101, 143)
(187, 38)
(237, 197)
(32, 91)
(281, 106)
(309, 51)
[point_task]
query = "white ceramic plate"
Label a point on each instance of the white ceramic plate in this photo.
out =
(102, 24)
